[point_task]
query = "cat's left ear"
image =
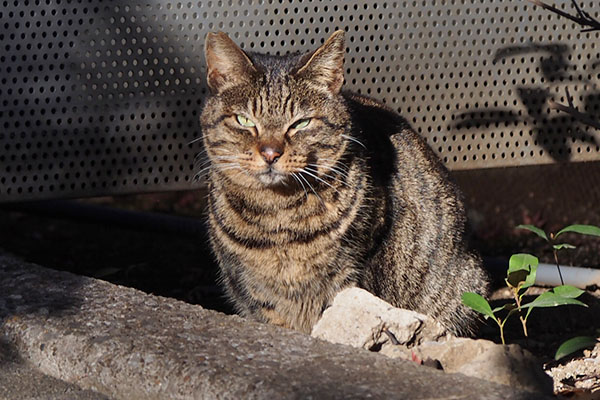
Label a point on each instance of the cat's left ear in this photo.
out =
(325, 67)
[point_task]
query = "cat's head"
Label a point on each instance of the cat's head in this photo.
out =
(274, 121)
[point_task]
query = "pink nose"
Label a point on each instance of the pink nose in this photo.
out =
(270, 154)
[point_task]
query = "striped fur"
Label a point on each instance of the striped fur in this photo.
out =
(354, 198)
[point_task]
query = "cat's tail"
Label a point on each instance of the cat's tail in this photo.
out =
(466, 275)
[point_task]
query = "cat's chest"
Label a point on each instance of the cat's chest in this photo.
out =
(275, 226)
(280, 240)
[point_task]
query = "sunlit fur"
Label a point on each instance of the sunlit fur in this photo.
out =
(355, 198)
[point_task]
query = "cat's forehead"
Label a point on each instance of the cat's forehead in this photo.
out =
(276, 66)
(275, 94)
(272, 94)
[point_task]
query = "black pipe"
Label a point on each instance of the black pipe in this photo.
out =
(93, 213)
(164, 223)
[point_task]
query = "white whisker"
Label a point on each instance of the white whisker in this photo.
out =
(204, 152)
(328, 176)
(202, 172)
(223, 159)
(194, 140)
(203, 163)
(301, 184)
(319, 179)
(337, 171)
(354, 140)
(200, 155)
(225, 166)
(311, 187)
(338, 163)
(208, 159)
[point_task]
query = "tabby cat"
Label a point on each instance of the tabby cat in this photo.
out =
(312, 190)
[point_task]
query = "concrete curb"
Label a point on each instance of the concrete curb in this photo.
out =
(131, 345)
(20, 381)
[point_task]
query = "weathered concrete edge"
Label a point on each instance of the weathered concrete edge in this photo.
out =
(131, 345)
(20, 381)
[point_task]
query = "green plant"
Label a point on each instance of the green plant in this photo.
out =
(552, 238)
(574, 344)
(520, 276)
(579, 342)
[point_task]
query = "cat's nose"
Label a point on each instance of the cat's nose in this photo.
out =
(270, 154)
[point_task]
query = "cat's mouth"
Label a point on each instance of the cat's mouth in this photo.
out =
(272, 177)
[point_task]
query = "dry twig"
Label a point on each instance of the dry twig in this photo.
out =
(572, 111)
(583, 18)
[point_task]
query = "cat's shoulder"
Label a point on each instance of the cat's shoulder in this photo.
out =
(362, 102)
(385, 132)
(372, 113)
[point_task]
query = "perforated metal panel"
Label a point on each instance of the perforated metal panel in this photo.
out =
(100, 97)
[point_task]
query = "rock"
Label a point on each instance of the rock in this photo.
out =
(360, 319)
(577, 374)
(505, 364)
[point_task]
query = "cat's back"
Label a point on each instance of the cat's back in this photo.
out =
(419, 242)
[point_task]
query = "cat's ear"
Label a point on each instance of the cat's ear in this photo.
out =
(325, 67)
(227, 65)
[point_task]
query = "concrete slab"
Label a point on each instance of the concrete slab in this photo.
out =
(131, 345)
(20, 381)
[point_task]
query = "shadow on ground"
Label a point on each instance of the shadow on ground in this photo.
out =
(163, 262)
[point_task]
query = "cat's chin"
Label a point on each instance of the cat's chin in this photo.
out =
(272, 178)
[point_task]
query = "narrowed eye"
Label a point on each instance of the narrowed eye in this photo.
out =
(301, 124)
(245, 122)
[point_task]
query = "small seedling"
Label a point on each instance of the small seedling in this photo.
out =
(520, 276)
(552, 238)
(579, 342)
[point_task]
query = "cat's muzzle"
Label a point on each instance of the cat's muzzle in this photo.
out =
(271, 177)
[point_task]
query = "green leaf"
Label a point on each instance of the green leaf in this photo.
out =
(477, 303)
(568, 291)
(574, 344)
(522, 262)
(583, 229)
(517, 277)
(535, 230)
(563, 246)
(550, 299)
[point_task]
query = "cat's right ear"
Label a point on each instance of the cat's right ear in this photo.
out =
(227, 65)
(325, 67)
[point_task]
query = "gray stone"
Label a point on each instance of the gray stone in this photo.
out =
(19, 381)
(358, 318)
(508, 365)
(130, 345)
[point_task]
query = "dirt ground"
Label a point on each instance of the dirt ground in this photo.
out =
(178, 263)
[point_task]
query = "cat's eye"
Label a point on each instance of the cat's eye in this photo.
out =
(301, 124)
(244, 121)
